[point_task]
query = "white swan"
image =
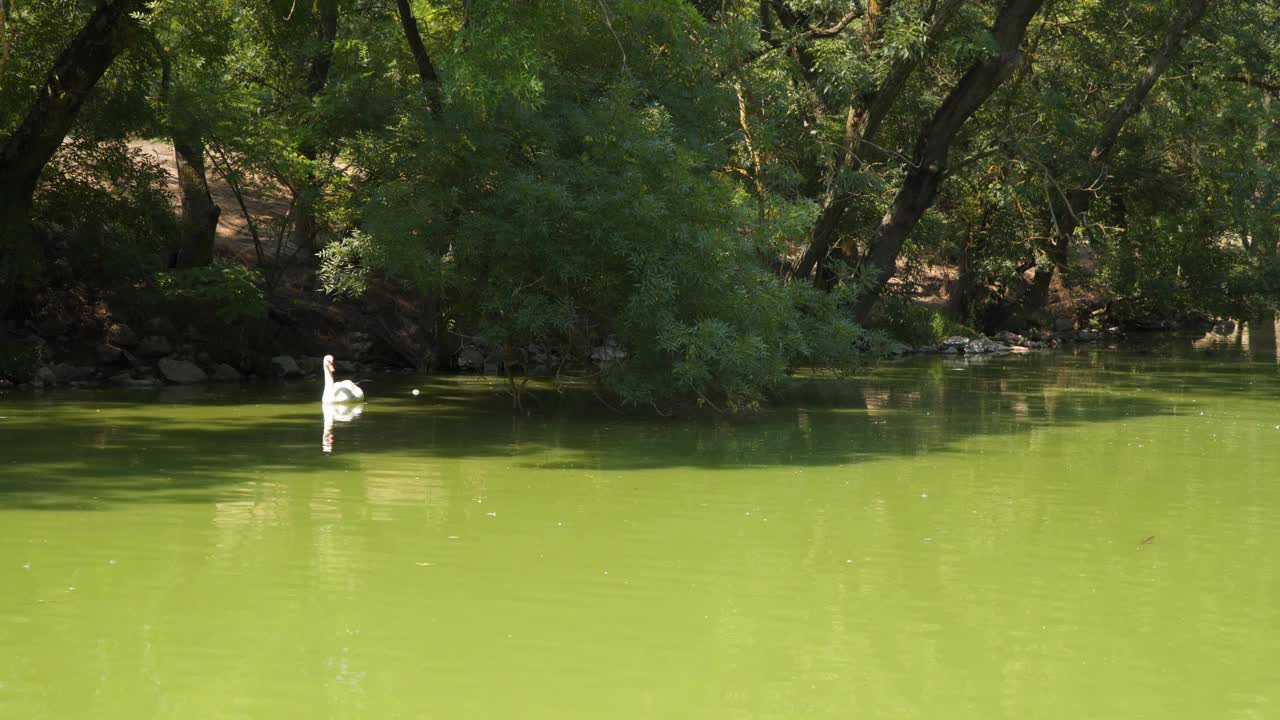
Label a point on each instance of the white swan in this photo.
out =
(338, 392)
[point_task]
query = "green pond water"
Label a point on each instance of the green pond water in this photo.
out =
(1068, 535)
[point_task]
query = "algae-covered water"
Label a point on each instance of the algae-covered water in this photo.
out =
(1070, 535)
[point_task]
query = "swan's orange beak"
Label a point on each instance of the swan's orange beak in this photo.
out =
(328, 366)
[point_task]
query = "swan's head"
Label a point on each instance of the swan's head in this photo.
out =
(328, 363)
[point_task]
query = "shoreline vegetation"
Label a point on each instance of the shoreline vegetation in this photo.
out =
(148, 370)
(673, 201)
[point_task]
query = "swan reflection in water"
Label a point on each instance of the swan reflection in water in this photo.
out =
(337, 412)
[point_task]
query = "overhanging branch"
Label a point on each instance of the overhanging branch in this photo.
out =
(793, 40)
(834, 30)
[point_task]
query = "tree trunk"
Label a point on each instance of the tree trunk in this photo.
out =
(426, 71)
(1262, 338)
(963, 292)
(25, 153)
(861, 126)
(929, 164)
(199, 213)
(305, 225)
(199, 226)
(1069, 213)
(17, 258)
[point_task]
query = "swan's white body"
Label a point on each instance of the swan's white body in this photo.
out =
(338, 392)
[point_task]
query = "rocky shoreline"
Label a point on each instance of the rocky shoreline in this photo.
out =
(127, 359)
(123, 358)
(1009, 342)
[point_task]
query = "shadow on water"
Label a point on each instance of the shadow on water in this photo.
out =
(95, 450)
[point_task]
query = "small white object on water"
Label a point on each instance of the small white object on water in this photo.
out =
(111, 562)
(924, 495)
(453, 537)
(424, 564)
(415, 392)
(492, 514)
(26, 566)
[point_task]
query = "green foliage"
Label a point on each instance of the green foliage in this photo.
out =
(638, 171)
(33, 36)
(910, 322)
(593, 212)
(111, 207)
(1255, 286)
(19, 360)
(916, 324)
(231, 292)
(343, 270)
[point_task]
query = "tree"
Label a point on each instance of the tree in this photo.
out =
(587, 217)
(200, 214)
(319, 65)
(694, 191)
(109, 31)
(426, 69)
(1069, 205)
(863, 120)
(928, 166)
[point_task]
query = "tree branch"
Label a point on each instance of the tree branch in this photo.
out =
(922, 181)
(426, 71)
(1270, 88)
(769, 36)
(834, 30)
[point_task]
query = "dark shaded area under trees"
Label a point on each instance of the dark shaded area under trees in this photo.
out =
(679, 198)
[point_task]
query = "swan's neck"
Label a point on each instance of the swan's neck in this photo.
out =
(328, 378)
